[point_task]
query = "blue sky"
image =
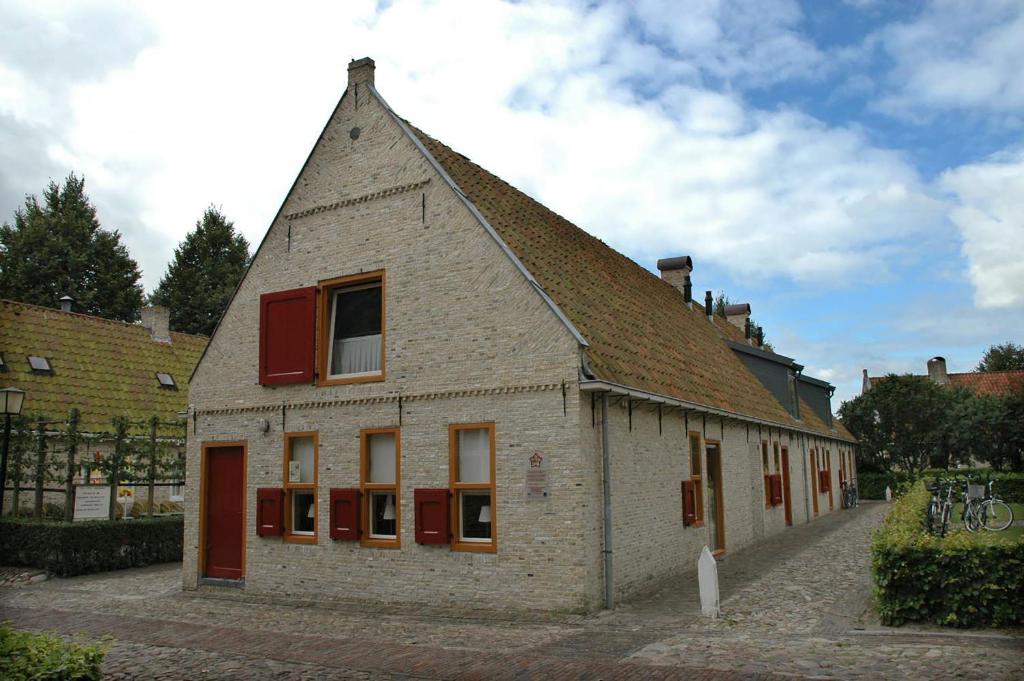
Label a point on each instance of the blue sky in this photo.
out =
(853, 169)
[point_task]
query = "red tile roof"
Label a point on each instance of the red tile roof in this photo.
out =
(990, 382)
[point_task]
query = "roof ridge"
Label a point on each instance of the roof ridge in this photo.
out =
(134, 325)
(986, 373)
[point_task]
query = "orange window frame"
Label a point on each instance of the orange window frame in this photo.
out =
(456, 487)
(290, 487)
(367, 487)
(697, 476)
(325, 291)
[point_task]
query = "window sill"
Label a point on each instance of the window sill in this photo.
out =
(381, 543)
(348, 380)
(473, 547)
(299, 539)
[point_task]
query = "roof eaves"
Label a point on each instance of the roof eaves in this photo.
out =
(481, 219)
(757, 352)
(618, 389)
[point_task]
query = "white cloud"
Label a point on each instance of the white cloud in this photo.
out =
(958, 56)
(989, 211)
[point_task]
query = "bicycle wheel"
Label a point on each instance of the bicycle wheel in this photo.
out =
(944, 523)
(997, 515)
(972, 517)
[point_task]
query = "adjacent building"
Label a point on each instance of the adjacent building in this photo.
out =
(431, 389)
(103, 368)
(997, 383)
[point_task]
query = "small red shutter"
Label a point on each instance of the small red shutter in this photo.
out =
(689, 503)
(431, 516)
(269, 511)
(287, 327)
(345, 514)
(824, 481)
(776, 489)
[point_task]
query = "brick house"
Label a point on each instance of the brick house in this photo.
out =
(431, 389)
(996, 383)
(103, 368)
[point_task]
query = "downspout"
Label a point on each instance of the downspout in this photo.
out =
(609, 584)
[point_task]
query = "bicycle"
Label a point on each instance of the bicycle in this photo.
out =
(996, 514)
(849, 495)
(934, 515)
(972, 497)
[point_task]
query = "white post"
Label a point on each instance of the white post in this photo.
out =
(888, 493)
(707, 578)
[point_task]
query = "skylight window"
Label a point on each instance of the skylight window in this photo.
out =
(166, 381)
(40, 365)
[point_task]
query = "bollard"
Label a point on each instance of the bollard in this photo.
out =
(888, 493)
(707, 579)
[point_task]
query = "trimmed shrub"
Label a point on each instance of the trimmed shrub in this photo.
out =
(67, 549)
(963, 580)
(47, 657)
(872, 485)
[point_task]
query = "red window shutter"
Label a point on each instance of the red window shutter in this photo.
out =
(776, 489)
(432, 526)
(689, 503)
(269, 511)
(287, 328)
(824, 481)
(345, 514)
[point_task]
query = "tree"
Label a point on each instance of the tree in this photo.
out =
(1004, 357)
(58, 248)
(902, 422)
(200, 280)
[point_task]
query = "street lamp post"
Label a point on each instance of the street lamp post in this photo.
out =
(11, 400)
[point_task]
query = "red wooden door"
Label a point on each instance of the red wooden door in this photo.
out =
(225, 507)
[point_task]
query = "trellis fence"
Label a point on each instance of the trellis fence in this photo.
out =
(45, 451)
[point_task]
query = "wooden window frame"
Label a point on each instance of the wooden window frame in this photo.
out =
(367, 487)
(766, 473)
(698, 478)
(290, 487)
(325, 289)
(455, 487)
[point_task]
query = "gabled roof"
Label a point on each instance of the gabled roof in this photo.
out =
(639, 331)
(997, 383)
(104, 368)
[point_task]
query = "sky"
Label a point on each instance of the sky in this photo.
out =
(852, 169)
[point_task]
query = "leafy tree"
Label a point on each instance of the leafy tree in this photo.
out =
(901, 422)
(58, 248)
(1003, 357)
(207, 266)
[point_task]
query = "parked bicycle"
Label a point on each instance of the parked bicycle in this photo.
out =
(940, 507)
(995, 514)
(850, 497)
(972, 496)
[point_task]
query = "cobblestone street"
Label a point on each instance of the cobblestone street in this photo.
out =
(794, 607)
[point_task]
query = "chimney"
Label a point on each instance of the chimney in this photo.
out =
(760, 337)
(360, 71)
(865, 383)
(66, 302)
(937, 370)
(676, 271)
(709, 305)
(157, 319)
(746, 330)
(738, 313)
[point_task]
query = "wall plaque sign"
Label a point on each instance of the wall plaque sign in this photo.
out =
(92, 502)
(537, 478)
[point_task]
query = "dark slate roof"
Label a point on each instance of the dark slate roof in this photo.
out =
(104, 368)
(640, 332)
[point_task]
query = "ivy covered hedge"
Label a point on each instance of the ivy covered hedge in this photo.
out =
(47, 657)
(962, 580)
(67, 549)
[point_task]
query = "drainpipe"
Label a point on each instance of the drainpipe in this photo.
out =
(609, 584)
(807, 483)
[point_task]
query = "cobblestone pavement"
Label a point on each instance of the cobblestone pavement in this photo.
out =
(794, 607)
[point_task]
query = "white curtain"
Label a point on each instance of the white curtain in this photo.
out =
(356, 355)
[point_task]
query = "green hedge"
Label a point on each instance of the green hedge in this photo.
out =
(67, 549)
(47, 657)
(1008, 486)
(962, 580)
